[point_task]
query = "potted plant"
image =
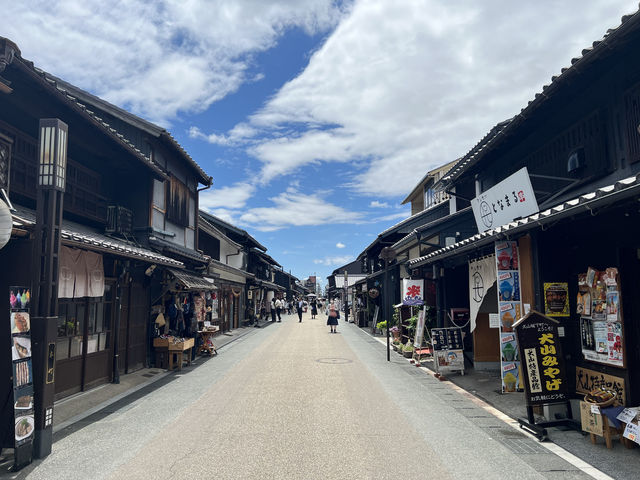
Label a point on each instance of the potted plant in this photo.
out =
(395, 345)
(407, 350)
(382, 326)
(395, 331)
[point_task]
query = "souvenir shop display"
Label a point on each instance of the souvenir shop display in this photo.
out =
(599, 304)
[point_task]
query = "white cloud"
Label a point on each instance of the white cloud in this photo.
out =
(333, 261)
(402, 87)
(377, 204)
(393, 216)
(232, 197)
(340, 245)
(158, 58)
(292, 208)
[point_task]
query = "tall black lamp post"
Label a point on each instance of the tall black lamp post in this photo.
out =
(52, 165)
(387, 254)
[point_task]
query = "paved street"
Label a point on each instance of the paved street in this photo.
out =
(294, 402)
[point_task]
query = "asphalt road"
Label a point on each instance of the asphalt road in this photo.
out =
(293, 401)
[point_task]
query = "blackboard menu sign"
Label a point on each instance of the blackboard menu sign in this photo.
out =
(544, 371)
(446, 338)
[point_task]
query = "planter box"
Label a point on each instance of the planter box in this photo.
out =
(408, 354)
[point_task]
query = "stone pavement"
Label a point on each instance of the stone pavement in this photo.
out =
(76, 411)
(623, 463)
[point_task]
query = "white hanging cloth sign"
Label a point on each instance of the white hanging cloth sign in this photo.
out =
(412, 292)
(482, 274)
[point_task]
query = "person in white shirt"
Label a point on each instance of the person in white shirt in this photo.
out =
(279, 308)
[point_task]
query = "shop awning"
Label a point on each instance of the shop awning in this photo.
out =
(588, 202)
(190, 281)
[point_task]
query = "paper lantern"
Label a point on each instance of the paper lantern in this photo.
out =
(6, 223)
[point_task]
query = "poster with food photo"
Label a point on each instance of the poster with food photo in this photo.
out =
(20, 322)
(509, 314)
(507, 255)
(21, 347)
(22, 373)
(24, 428)
(509, 287)
(556, 299)
(613, 305)
(19, 298)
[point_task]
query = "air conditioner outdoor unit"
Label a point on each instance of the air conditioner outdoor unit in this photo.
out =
(119, 220)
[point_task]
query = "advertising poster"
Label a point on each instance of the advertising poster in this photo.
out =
(545, 375)
(556, 299)
(510, 311)
(20, 328)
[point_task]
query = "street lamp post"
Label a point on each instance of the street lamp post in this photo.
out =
(52, 165)
(387, 254)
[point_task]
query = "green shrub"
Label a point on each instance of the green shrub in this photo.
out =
(382, 325)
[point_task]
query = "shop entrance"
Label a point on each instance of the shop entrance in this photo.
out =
(83, 346)
(132, 345)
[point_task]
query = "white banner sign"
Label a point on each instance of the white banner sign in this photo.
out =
(412, 292)
(482, 274)
(510, 199)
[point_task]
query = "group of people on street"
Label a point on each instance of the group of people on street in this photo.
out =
(275, 308)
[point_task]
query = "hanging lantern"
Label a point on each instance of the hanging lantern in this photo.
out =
(6, 224)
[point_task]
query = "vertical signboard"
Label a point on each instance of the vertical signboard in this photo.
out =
(22, 369)
(542, 361)
(510, 311)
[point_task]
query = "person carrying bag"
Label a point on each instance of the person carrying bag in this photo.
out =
(332, 318)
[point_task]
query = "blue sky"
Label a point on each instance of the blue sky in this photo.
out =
(315, 117)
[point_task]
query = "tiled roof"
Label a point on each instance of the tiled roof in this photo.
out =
(407, 239)
(192, 281)
(79, 99)
(578, 64)
(624, 188)
(81, 236)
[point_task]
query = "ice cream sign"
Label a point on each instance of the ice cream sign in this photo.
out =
(412, 292)
(504, 202)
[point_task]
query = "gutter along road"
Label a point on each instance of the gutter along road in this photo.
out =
(296, 402)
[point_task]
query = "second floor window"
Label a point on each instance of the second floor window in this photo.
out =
(177, 202)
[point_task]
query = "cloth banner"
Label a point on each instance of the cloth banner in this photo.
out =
(482, 274)
(80, 273)
(412, 292)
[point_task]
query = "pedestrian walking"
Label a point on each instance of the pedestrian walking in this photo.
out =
(314, 308)
(299, 307)
(279, 309)
(332, 318)
(272, 306)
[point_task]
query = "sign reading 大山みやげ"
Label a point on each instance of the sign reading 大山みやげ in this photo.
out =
(542, 361)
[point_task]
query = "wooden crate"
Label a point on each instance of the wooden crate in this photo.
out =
(179, 347)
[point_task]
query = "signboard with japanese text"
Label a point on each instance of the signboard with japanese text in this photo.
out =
(588, 380)
(509, 311)
(412, 292)
(512, 198)
(543, 365)
(447, 349)
(591, 422)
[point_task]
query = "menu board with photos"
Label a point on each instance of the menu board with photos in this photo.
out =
(20, 326)
(599, 304)
(447, 349)
(510, 311)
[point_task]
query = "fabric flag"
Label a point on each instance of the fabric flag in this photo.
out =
(482, 274)
(412, 292)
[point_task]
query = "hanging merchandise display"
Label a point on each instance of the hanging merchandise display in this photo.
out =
(510, 311)
(19, 303)
(601, 321)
